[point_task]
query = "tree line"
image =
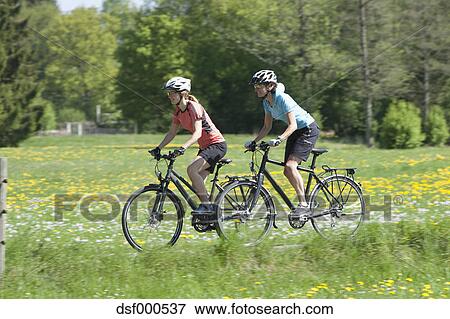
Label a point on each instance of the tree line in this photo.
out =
(368, 70)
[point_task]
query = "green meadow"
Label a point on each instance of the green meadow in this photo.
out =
(400, 254)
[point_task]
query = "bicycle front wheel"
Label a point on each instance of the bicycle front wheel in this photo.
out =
(237, 219)
(337, 207)
(151, 219)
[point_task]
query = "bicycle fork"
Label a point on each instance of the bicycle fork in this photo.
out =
(157, 209)
(254, 200)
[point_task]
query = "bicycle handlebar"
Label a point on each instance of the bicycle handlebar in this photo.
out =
(261, 146)
(169, 156)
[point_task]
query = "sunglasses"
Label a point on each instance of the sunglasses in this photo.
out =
(171, 92)
(259, 86)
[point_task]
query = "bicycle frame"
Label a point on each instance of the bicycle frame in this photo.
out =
(263, 172)
(179, 181)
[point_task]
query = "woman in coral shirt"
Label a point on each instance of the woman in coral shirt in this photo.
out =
(191, 116)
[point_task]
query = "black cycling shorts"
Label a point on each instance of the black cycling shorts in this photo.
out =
(213, 154)
(301, 142)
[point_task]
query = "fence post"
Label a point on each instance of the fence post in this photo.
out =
(3, 181)
(69, 128)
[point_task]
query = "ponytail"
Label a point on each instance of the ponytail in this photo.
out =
(192, 98)
(189, 96)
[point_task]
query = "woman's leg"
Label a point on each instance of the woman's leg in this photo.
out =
(197, 172)
(298, 147)
(204, 174)
(294, 177)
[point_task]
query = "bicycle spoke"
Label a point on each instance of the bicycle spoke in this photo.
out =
(230, 200)
(342, 191)
(249, 199)
(348, 196)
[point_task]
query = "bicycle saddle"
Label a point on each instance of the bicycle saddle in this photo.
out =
(225, 161)
(318, 151)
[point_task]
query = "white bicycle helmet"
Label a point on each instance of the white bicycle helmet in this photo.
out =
(263, 76)
(178, 84)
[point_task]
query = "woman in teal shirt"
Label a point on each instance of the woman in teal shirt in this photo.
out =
(300, 135)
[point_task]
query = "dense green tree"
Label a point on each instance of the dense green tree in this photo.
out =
(48, 119)
(82, 70)
(18, 77)
(426, 55)
(116, 7)
(314, 46)
(401, 126)
(123, 10)
(150, 53)
(436, 127)
(230, 40)
(39, 2)
(40, 15)
(221, 68)
(327, 63)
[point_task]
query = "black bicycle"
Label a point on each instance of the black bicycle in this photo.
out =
(153, 215)
(246, 210)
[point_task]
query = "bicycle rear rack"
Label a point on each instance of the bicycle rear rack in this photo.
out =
(349, 171)
(240, 178)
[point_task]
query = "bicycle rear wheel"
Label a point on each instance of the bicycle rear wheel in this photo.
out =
(340, 214)
(148, 221)
(235, 219)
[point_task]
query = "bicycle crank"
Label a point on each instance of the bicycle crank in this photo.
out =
(298, 222)
(202, 223)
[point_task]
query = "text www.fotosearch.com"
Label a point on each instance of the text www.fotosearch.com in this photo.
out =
(245, 309)
(233, 309)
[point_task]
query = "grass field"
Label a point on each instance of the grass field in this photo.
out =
(74, 257)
